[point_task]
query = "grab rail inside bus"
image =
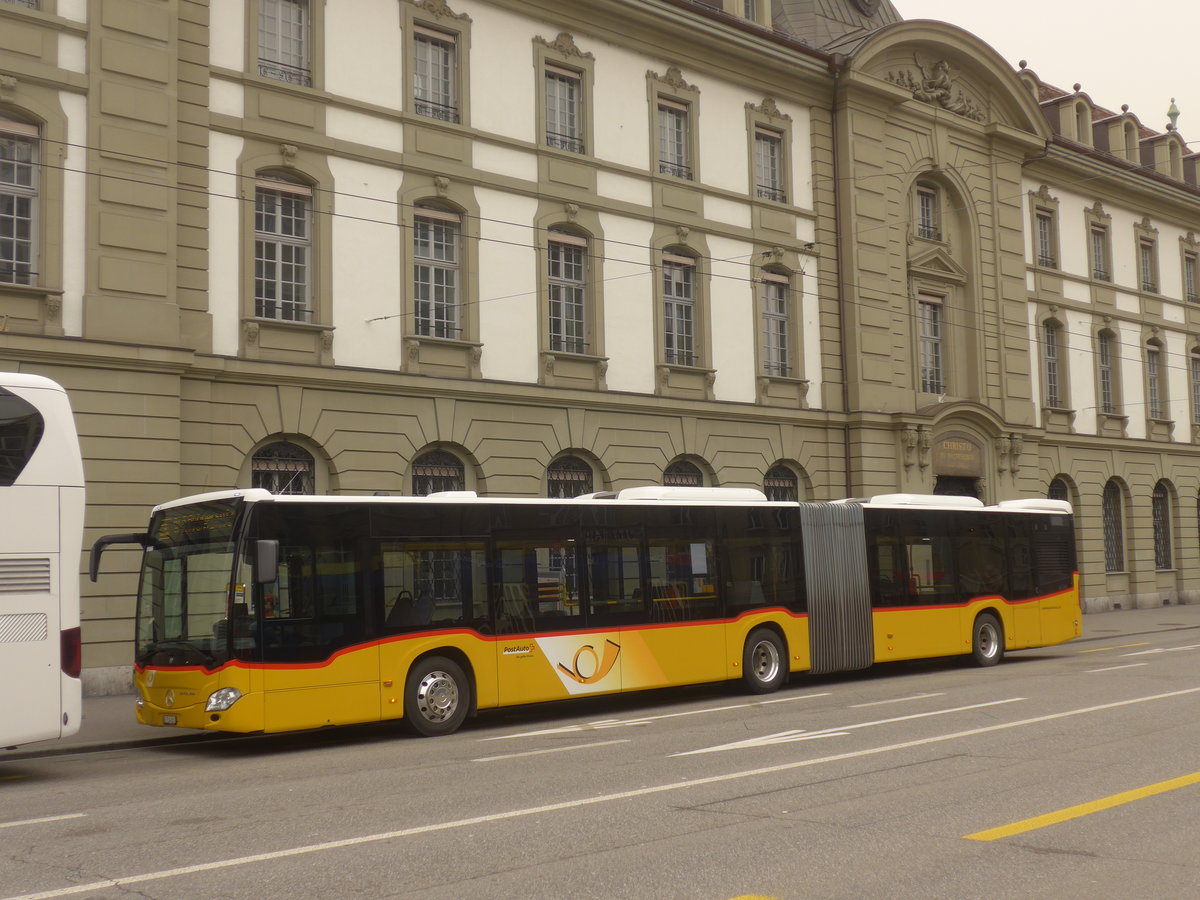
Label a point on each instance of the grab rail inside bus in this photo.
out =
(142, 539)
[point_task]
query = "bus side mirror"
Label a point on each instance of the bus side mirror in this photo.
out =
(266, 561)
(141, 539)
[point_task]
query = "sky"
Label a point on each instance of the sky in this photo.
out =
(1116, 55)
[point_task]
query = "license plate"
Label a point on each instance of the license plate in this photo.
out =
(170, 720)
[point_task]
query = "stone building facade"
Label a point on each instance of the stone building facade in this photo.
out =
(528, 247)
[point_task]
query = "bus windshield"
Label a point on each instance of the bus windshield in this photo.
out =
(183, 600)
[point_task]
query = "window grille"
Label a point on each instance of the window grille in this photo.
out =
(436, 471)
(682, 473)
(568, 477)
(283, 468)
(781, 483)
(1058, 491)
(1114, 541)
(1160, 505)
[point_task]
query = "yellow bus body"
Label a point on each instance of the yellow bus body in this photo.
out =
(366, 683)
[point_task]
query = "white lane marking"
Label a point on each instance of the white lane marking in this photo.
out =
(550, 750)
(1114, 668)
(1163, 650)
(896, 700)
(846, 729)
(575, 804)
(646, 720)
(40, 821)
(782, 737)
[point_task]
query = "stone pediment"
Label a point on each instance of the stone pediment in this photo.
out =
(949, 72)
(937, 263)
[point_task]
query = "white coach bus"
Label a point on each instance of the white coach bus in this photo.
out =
(41, 535)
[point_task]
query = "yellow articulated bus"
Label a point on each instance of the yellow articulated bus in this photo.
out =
(258, 612)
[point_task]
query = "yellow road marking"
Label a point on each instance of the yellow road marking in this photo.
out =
(1083, 809)
(1118, 647)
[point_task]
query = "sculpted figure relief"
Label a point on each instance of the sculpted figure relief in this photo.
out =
(936, 86)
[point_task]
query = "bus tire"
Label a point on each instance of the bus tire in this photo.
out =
(437, 696)
(987, 640)
(764, 662)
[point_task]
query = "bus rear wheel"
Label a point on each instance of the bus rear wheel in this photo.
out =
(437, 696)
(764, 662)
(987, 642)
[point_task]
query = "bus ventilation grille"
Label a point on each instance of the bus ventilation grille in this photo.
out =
(25, 575)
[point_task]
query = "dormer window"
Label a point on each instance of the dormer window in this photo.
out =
(1083, 123)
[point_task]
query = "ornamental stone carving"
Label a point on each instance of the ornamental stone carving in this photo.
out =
(564, 44)
(288, 153)
(674, 78)
(769, 109)
(439, 9)
(936, 86)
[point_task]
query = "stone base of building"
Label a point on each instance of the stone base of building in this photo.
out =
(105, 681)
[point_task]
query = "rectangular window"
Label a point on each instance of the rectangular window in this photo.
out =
(567, 270)
(1045, 239)
(18, 196)
(435, 274)
(564, 109)
(768, 165)
(282, 251)
(1147, 265)
(679, 310)
(435, 77)
(674, 139)
(1191, 277)
(775, 319)
(931, 347)
(283, 39)
(927, 214)
(1099, 244)
(1050, 352)
(1107, 398)
(1153, 394)
(1195, 372)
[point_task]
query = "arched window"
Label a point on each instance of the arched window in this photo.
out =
(682, 473)
(1131, 142)
(18, 201)
(1083, 123)
(781, 483)
(568, 476)
(1160, 506)
(283, 468)
(1114, 533)
(436, 471)
(1059, 490)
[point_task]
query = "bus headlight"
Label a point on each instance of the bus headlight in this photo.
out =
(221, 700)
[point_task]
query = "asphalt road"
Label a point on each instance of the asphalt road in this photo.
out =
(1064, 772)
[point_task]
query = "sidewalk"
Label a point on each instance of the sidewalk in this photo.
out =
(109, 723)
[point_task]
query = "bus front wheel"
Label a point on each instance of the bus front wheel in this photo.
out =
(764, 662)
(987, 642)
(437, 696)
